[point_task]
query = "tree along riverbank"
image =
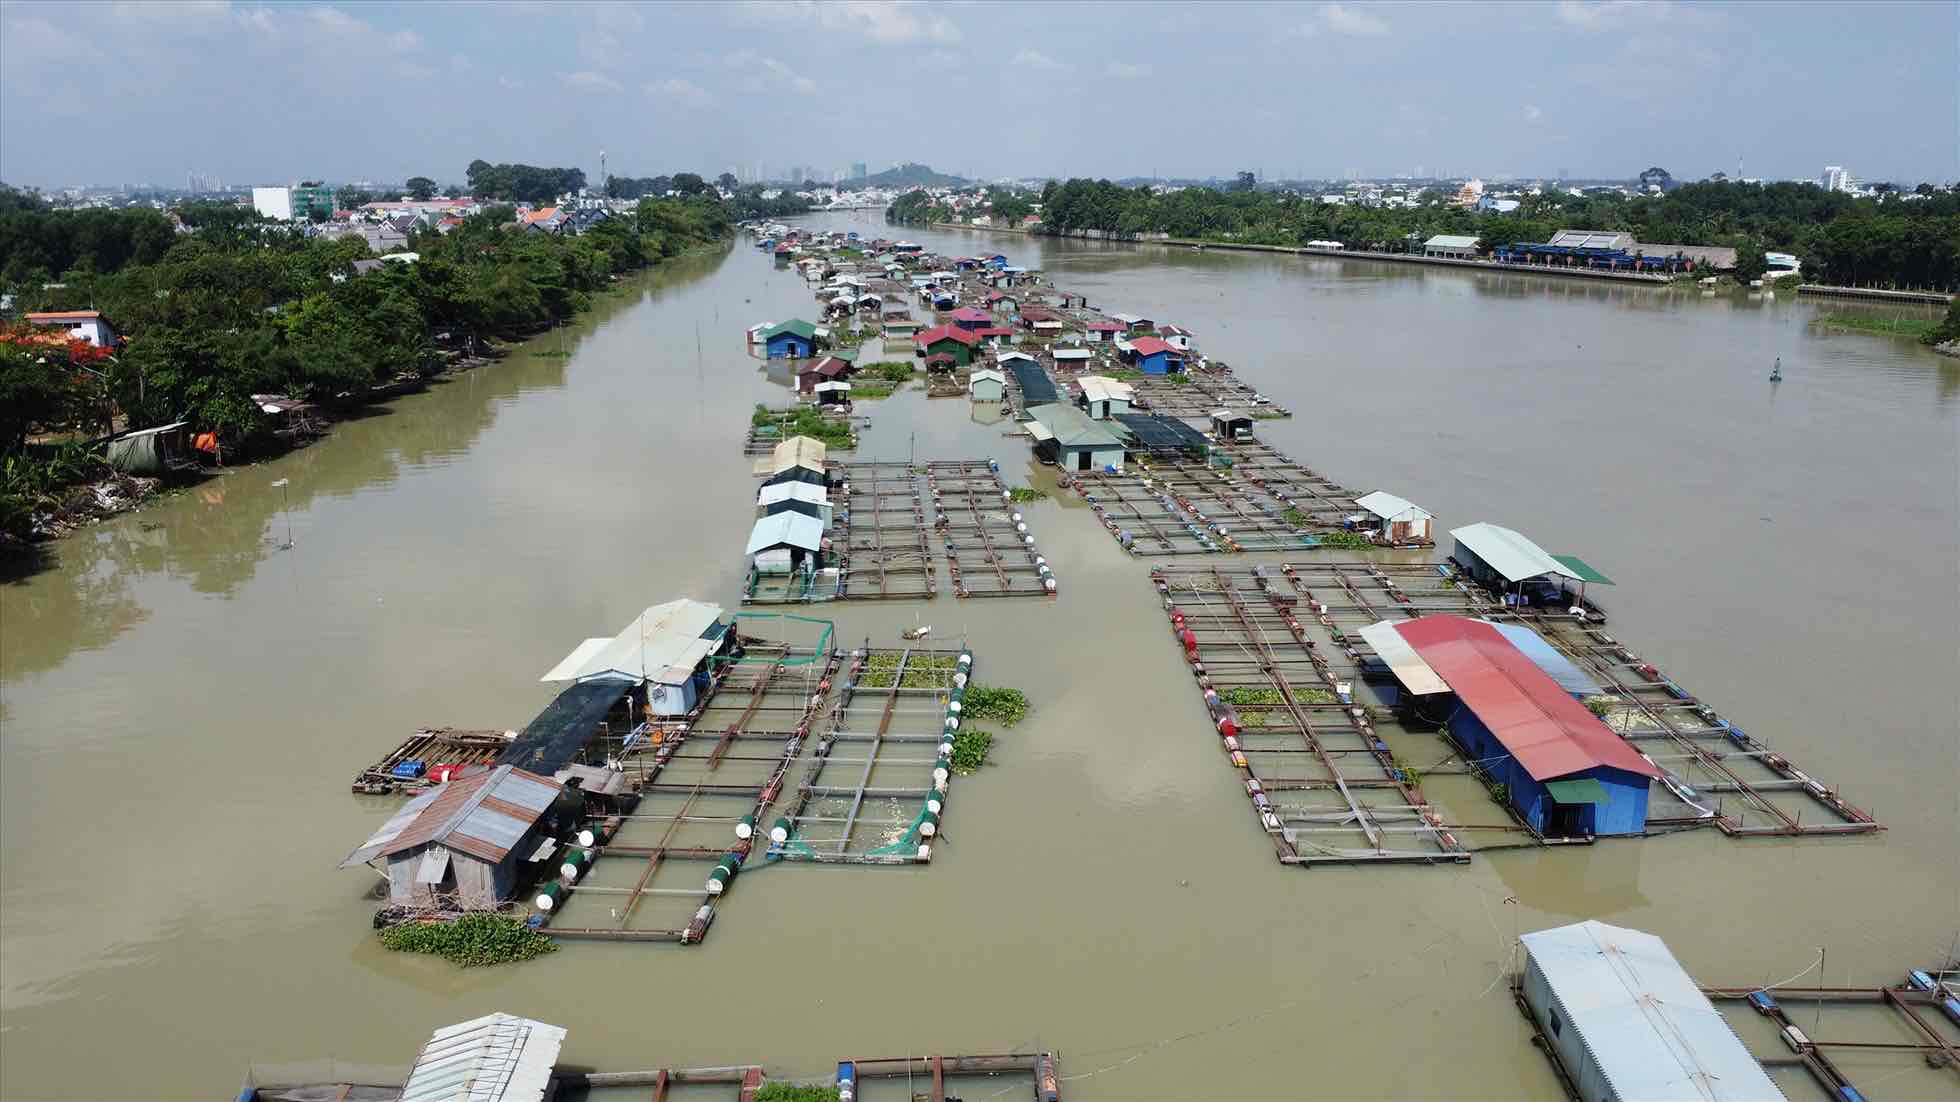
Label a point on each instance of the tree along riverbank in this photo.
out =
(1896, 241)
(215, 322)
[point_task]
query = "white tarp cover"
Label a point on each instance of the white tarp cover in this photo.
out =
(1509, 553)
(785, 529)
(1389, 507)
(792, 491)
(1403, 661)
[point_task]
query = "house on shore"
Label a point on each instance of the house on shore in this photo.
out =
(79, 325)
(1449, 246)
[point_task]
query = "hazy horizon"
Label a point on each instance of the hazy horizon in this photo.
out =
(142, 93)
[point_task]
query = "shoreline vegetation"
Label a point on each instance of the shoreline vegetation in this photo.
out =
(233, 308)
(1903, 241)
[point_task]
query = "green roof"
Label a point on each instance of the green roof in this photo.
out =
(797, 326)
(1586, 573)
(1586, 790)
(848, 355)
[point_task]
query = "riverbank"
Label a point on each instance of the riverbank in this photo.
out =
(1348, 254)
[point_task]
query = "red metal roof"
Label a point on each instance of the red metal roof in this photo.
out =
(1150, 346)
(971, 313)
(1039, 313)
(1544, 728)
(1107, 326)
(994, 331)
(65, 315)
(942, 332)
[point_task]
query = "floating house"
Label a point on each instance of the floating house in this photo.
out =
(668, 649)
(948, 340)
(795, 339)
(1231, 424)
(986, 385)
(796, 497)
(1505, 561)
(1563, 772)
(832, 393)
(1626, 1023)
(1153, 356)
(805, 452)
(1179, 338)
(463, 844)
(1074, 356)
(1134, 323)
(1394, 520)
(786, 543)
(495, 1058)
(1104, 330)
(1067, 437)
(1103, 397)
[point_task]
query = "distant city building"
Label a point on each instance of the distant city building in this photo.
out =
(859, 170)
(1837, 178)
(301, 202)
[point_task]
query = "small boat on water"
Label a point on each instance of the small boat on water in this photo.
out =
(916, 633)
(1776, 373)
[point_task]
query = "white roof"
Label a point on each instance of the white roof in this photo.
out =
(986, 373)
(793, 529)
(1039, 431)
(1408, 666)
(1450, 241)
(1389, 507)
(1129, 319)
(1102, 388)
(1072, 353)
(663, 643)
(827, 387)
(1651, 1032)
(792, 491)
(1006, 356)
(1509, 553)
(495, 1058)
(1230, 415)
(798, 451)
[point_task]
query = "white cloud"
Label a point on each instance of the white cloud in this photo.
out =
(1035, 59)
(887, 21)
(763, 71)
(1342, 19)
(1607, 15)
(179, 12)
(1532, 113)
(585, 80)
(507, 81)
(680, 91)
(335, 20)
(1123, 70)
(619, 17)
(403, 42)
(600, 49)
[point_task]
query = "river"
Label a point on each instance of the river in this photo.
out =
(183, 701)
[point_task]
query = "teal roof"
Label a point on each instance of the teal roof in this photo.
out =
(796, 326)
(1585, 572)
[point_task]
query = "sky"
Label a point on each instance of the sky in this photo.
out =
(143, 92)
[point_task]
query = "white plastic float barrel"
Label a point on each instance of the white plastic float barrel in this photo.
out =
(954, 707)
(548, 896)
(779, 833)
(746, 828)
(939, 775)
(935, 805)
(925, 852)
(928, 825)
(587, 836)
(966, 658)
(575, 863)
(1048, 584)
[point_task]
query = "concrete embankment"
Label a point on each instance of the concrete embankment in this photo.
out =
(1875, 294)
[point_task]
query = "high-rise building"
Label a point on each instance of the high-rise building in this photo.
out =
(859, 170)
(1835, 178)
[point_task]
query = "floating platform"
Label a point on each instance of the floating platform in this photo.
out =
(407, 767)
(931, 1077)
(762, 439)
(874, 791)
(1920, 1019)
(982, 534)
(1262, 501)
(1201, 392)
(883, 533)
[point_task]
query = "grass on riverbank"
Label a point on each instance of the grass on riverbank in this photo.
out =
(1917, 329)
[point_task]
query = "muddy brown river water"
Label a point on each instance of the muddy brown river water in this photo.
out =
(183, 702)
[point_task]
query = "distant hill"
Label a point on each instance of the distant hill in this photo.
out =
(909, 175)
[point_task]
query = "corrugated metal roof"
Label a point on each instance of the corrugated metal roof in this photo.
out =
(1591, 239)
(1547, 658)
(1039, 432)
(1403, 661)
(1101, 388)
(780, 529)
(1583, 569)
(496, 1058)
(798, 451)
(1652, 1033)
(1073, 428)
(1548, 732)
(792, 491)
(1389, 507)
(1450, 241)
(1508, 552)
(475, 814)
(663, 636)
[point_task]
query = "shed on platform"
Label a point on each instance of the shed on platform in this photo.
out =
(1563, 772)
(667, 648)
(1628, 1024)
(495, 1058)
(1231, 424)
(786, 543)
(1103, 396)
(795, 497)
(986, 385)
(1508, 562)
(1075, 442)
(1395, 520)
(461, 845)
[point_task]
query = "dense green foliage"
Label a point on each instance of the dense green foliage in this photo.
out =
(802, 421)
(922, 671)
(241, 306)
(1949, 327)
(793, 1092)
(998, 705)
(970, 748)
(471, 941)
(518, 183)
(1027, 493)
(1840, 238)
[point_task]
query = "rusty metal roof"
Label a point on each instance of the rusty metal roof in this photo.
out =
(482, 814)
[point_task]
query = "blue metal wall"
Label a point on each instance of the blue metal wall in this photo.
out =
(1625, 809)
